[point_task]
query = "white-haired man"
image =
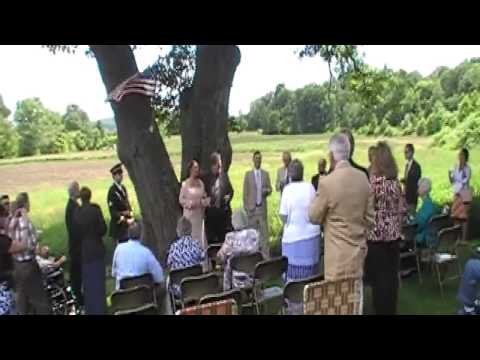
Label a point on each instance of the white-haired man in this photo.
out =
(344, 206)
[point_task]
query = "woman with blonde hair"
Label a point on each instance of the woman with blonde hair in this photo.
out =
(383, 257)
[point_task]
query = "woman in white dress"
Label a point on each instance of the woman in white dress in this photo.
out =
(301, 239)
(194, 200)
(461, 173)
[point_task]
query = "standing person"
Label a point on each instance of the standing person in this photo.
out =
(283, 179)
(256, 188)
(413, 173)
(30, 293)
(4, 214)
(119, 206)
(351, 140)
(462, 194)
(344, 206)
(383, 258)
(193, 198)
(92, 227)
(322, 171)
(74, 244)
(301, 239)
(218, 216)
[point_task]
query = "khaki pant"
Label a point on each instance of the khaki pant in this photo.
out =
(258, 220)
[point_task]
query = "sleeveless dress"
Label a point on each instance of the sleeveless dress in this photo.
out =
(194, 196)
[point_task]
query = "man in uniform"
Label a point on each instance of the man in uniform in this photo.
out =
(119, 206)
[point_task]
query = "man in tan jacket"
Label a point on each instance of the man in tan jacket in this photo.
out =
(283, 179)
(344, 205)
(256, 189)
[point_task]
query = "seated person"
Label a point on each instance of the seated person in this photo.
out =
(132, 258)
(48, 263)
(240, 241)
(185, 251)
(469, 289)
(426, 212)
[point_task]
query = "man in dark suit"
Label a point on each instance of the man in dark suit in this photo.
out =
(322, 171)
(218, 216)
(119, 206)
(74, 241)
(413, 173)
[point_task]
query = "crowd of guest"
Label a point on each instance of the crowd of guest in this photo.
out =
(351, 215)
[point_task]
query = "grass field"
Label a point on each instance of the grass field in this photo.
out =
(46, 179)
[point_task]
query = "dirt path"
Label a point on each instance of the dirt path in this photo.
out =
(31, 176)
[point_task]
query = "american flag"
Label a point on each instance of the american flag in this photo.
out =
(141, 83)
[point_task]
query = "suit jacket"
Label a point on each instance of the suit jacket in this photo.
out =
(74, 244)
(91, 224)
(225, 189)
(315, 179)
(411, 183)
(344, 205)
(118, 202)
(250, 191)
(279, 183)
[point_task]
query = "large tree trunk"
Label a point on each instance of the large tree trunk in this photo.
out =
(204, 107)
(142, 150)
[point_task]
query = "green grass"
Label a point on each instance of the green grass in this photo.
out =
(48, 203)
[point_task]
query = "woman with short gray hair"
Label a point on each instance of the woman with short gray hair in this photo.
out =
(426, 212)
(301, 239)
(185, 251)
(242, 240)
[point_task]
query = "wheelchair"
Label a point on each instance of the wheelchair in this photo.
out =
(62, 299)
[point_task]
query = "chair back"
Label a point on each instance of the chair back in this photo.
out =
(176, 276)
(448, 240)
(224, 307)
(269, 270)
(438, 223)
(127, 299)
(212, 251)
(131, 282)
(195, 287)
(341, 297)
(234, 294)
(409, 231)
(246, 262)
(293, 291)
(148, 309)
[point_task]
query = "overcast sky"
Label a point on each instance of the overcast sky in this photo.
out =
(62, 79)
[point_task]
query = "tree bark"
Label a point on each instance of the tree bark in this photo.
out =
(141, 149)
(204, 107)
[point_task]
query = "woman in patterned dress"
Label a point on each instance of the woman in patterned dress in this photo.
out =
(383, 257)
(193, 198)
(185, 251)
(240, 241)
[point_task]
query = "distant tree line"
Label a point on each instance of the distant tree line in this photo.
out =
(38, 130)
(378, 102)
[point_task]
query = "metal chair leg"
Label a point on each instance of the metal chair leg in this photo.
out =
(419, 270)
(440, 283)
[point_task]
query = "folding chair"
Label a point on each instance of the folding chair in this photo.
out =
(224, 307)
(127, 299)
(175, 277)
(435, 224)
(446, 253)
(245, 263)
(144, 279)
(212, 251)
(234, 294)
(148, 309)
(293, 293)
(408, 249)
(267, 271)
(195, 287)
(341, 297)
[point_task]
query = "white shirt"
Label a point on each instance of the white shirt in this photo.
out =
(258, 182)
(296, 200)
(461, 178)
